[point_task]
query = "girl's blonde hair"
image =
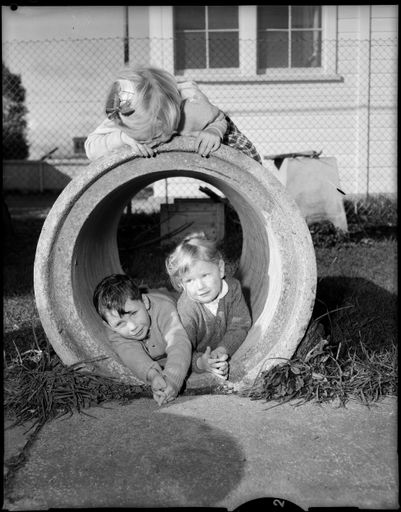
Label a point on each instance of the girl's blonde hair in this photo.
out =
(194, 247)
(157, 105)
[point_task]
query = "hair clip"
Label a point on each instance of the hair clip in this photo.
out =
(116, 105)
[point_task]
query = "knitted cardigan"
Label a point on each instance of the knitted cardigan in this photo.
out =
(167, 343)
(227, 329)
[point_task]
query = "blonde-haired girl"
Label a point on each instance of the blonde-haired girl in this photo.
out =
(146, 106)
(211, 306)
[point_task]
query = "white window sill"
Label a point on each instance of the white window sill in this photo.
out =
(295, 77)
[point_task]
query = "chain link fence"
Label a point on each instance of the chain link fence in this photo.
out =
(349, 111)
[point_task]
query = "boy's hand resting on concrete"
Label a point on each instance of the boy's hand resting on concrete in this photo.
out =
(214, 362)
(170, 392)
(158, 385)
(163, 390)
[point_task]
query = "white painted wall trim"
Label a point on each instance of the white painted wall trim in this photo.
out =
(161, 36)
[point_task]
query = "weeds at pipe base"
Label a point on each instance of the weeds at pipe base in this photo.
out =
(40, 389)
(329, 373)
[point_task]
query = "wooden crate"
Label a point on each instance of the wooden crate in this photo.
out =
(185, 216)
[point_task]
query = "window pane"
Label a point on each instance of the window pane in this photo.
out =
(223, 16)
(305, 48)
(190, 51)
(223, 50)
(272, 16)
(189, 17)
(273, 50)
(306, 16)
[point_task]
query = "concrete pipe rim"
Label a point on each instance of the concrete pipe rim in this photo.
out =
(284, 310)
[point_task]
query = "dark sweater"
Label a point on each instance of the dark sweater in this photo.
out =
(227, 329)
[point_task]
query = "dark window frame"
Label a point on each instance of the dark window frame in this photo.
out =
(285, 36)
(212, 58)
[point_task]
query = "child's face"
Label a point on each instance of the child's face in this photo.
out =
(202, 282)
(134, 324)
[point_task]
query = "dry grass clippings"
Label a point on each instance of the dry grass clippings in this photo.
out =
(39, 388)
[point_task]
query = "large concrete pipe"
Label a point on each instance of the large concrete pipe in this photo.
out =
(78, 247)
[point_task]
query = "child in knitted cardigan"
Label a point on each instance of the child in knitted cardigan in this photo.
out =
(211, 306)
(145, 331)
(146, 106)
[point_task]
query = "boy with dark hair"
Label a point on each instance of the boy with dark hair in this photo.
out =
(145, 331)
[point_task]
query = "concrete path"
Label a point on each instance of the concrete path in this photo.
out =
(211, 451)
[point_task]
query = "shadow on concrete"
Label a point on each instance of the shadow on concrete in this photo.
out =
(141, 456)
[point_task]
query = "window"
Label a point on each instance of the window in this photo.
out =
(79, 147)
(289, 36)
(206, 37)
(245, 42)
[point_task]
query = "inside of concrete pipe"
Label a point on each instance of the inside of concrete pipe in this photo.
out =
(97, 251)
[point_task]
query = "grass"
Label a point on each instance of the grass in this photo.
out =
(40, 388)
(350, 351)
(332, 372)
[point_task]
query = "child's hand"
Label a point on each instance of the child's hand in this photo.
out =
(158, 385)
(140, 149)
(212, 364)
(159, 397)
(206, 142)
(170, 392)
(220, 355)
(219, 352)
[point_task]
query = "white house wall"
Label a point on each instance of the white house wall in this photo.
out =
(382, 170)
(352, 116)
(374, 28)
